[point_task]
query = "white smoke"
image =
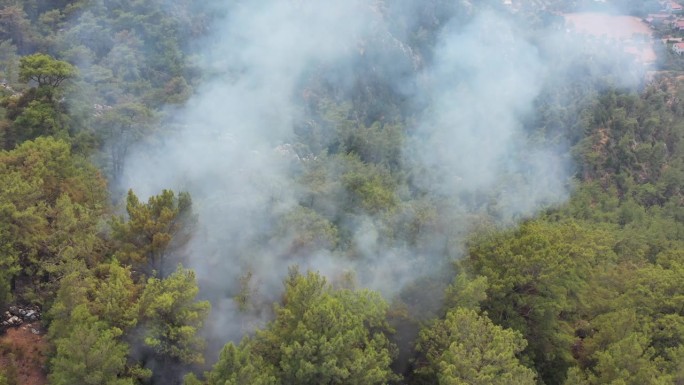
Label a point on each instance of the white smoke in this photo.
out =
(480, 87)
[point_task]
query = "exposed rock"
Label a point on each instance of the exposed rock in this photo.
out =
(292, 152)
(31, 315)
(6, 86)
(100, 109)
(16, 315)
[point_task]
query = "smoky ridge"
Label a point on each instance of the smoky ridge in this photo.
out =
(317, 191)
(337, 138)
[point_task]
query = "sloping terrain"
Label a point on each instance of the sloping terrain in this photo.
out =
(23, 355)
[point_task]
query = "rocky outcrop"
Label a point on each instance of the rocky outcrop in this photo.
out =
(18, 315)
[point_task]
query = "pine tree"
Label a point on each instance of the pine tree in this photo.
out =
(172, 317)
(468, 349)
(90, 354)
(320, 336)
(153, 230)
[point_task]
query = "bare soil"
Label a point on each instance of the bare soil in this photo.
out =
(631, 32)
(23, 355)
(610, 26)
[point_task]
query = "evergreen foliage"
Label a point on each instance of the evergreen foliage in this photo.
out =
(589, 292)
(153, 230)
(319, 335)
(467, 348)
(173, 318)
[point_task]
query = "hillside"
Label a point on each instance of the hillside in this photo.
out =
(363, 192)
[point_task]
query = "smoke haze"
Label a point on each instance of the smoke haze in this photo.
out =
(236, 149)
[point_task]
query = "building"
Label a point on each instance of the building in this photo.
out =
(678, 48)
(655, 19)
(673, 7)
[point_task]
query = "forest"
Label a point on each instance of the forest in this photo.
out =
(404, 192)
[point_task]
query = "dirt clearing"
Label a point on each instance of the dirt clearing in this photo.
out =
(23, 354)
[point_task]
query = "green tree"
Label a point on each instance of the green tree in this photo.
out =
(633, 324)
(466, 293)
(370, 186)
(378, 144)
(628, 361)
(15, 26)
(114, 295)
(9, 62)
(306, 231)
(49, 207)
(88, 30)
(319, 336)
(8, 268)
(8, 374)
(39, 118)
(74, 289)
(537, 277)
(120, 128)
(468, 349)
(153, 230)
(126, 58)
(172, 318)
(237, 365)
(45, 70)
(89, 354)
(39, 110)
(9, 261)
(32, 114)
(90, 302)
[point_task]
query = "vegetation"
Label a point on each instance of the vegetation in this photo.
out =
(319, 335)
(466, 348)
(586, 292)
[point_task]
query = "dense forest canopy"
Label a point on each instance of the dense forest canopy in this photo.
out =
(323, 192)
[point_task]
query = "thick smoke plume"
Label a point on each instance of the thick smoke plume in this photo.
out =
(481, 87)
(226, 154)
(468, 142)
